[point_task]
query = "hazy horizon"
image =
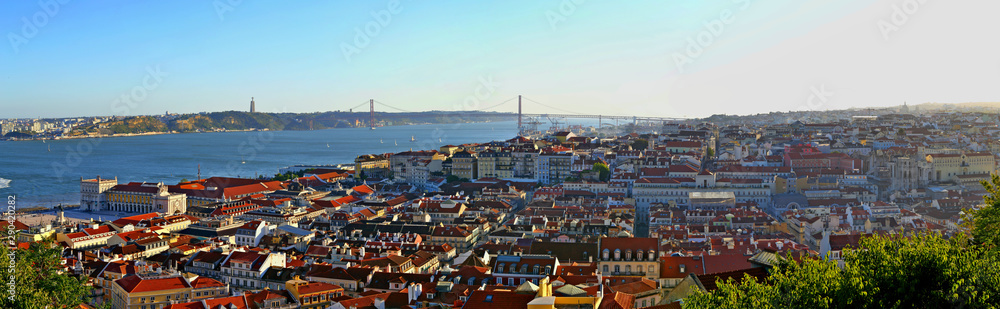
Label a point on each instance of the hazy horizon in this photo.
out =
(634, 58)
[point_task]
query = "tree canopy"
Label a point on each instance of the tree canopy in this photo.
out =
(920, 270)
(603, 170)
(39, 280)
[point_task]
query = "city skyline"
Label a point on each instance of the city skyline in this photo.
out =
(673, 60)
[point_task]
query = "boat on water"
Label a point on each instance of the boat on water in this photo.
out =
(380, 141)
(395, 143)
(4, 183)
(412, 139)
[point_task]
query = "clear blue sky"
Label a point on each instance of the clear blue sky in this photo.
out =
(608, 57)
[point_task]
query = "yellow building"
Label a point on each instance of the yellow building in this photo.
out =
(371, 165)
(157, 291)
(464, 165)
(449, 149)
(790, 184)
(949, 167)
(497, 164)
(545, 299)
(313, 294)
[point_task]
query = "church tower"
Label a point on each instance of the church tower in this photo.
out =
(253, 109)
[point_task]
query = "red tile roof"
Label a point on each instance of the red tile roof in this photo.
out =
(318, 287)
(135, 284)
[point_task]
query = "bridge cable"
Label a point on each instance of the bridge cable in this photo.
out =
(393, 107)
(359, 105)
(558, 109)
(491, 107)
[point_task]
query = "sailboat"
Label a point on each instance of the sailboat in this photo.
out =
(327, 145)
(244, 160)
(412, 139)
(380, 141)
(439, 140)
(395, 143)
(50, 148)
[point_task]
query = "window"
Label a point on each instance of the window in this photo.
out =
(618, 254)
(605, 268)
(606, 254)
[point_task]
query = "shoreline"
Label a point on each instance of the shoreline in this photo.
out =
(223, 131)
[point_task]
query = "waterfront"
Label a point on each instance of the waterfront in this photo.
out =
(46, 173)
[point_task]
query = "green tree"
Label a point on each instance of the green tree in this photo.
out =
(983, 223)
(710, 152)
(603, 170)
(640, 144)
(811, 284)
(39, 280)
(918, 271)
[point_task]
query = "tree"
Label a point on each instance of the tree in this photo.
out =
(640, 144)
(925, 270)
(710, 152)
(984, 223)
(603, 170)
(39, 280)
(919, 271)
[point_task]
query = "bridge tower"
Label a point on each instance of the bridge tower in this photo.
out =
(371, 111)
(520, 129)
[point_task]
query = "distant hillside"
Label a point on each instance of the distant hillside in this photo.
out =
(967, 105)
(225, 120)
(137, 124)
(238, 120)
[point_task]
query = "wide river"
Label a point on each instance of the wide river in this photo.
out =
(49, 173)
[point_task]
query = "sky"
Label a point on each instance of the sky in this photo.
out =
(655, 58)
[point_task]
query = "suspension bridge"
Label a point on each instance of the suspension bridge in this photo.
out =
(524, 120)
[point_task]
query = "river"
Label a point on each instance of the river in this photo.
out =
(46, 173)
